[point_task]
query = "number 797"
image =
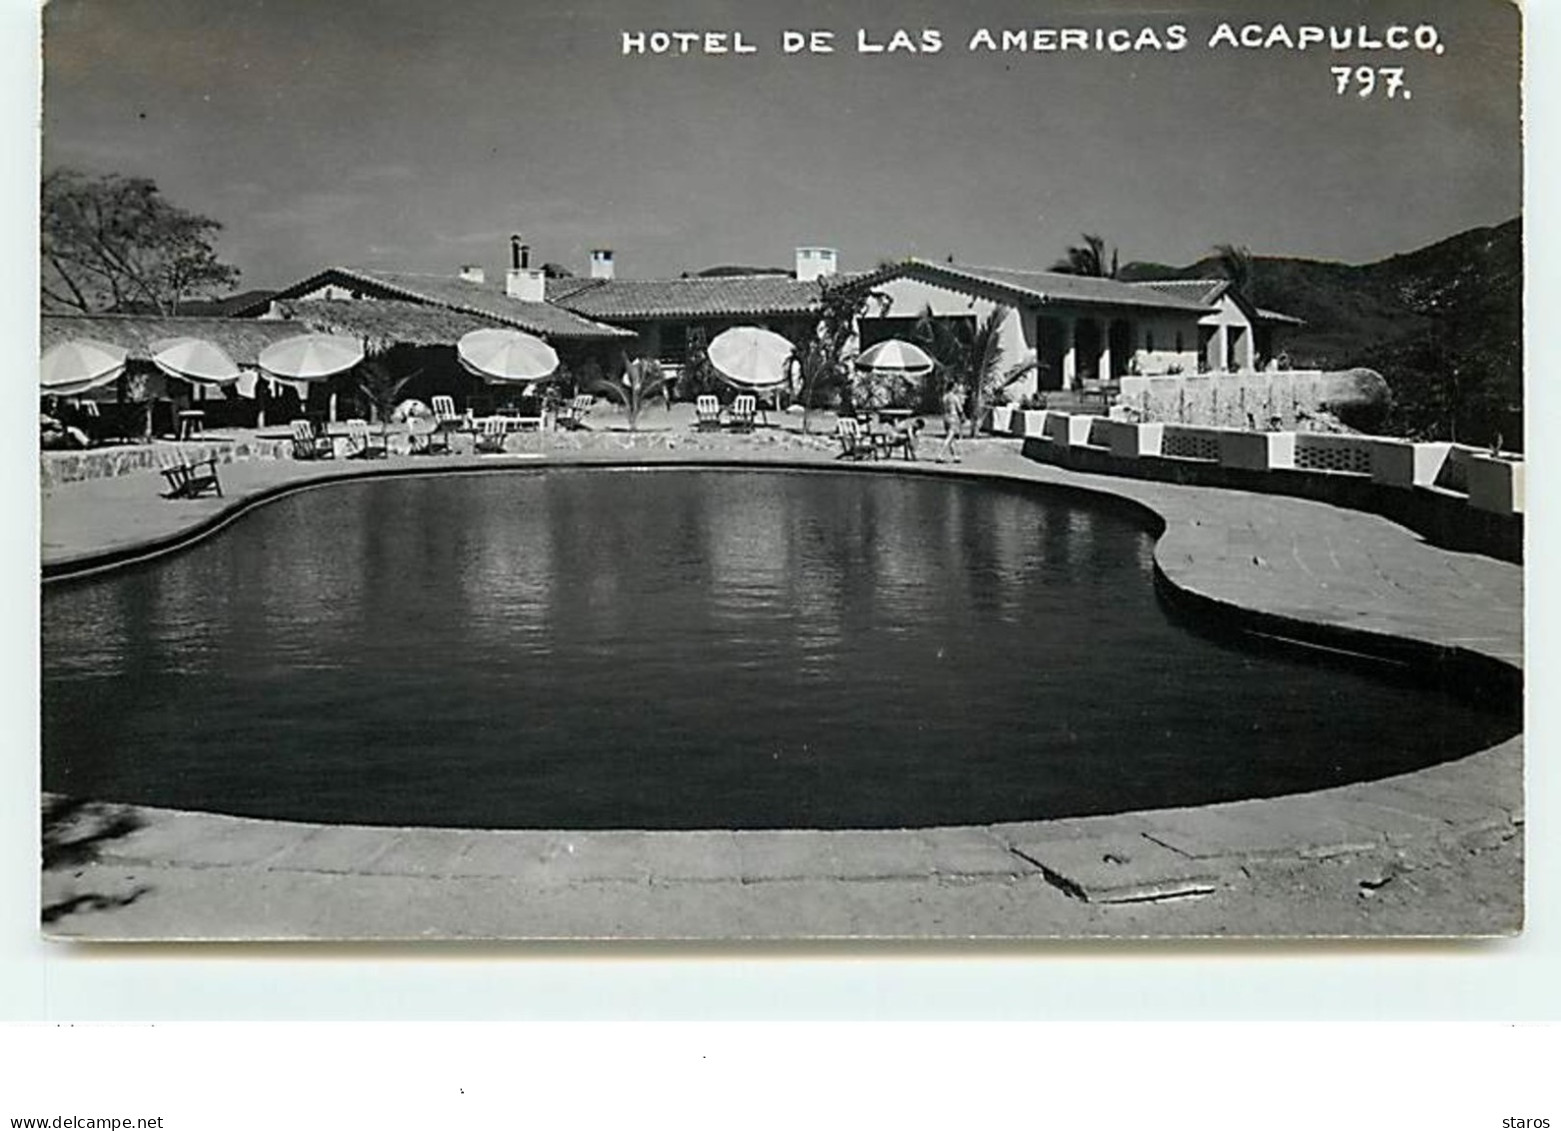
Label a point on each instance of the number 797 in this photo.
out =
(1367, 81)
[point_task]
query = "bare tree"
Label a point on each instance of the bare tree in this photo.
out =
(113, 242)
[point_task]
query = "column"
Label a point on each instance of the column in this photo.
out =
(1221, 349)
(1070, 353)
(1103, 360)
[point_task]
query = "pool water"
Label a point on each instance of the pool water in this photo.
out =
(690, 649)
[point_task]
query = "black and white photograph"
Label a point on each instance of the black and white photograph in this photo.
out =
(720, 471)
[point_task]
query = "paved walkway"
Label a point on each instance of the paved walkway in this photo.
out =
(1306, 864)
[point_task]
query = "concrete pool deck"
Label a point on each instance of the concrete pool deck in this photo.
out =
(1433, 852)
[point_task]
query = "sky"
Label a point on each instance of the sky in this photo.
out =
(418, 136)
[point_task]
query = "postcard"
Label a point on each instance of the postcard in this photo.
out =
(715, 471)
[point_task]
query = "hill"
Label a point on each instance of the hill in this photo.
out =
(1443, 324)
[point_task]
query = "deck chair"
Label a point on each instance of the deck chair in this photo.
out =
(309, 444)
(188, 479)
(363, 444)
(854, 442)
(444, 410)
(491, 438)
(707, 412)
(744, 407)
(573, 414)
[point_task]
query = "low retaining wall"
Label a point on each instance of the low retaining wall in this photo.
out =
(56, 468)
(1455, 496)
(1253, 401)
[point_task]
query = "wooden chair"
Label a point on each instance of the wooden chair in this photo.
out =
(309, 444)
(744, 408)
(707, 413)
(188, 479)
(573, 414)
(855, 444)
(445, 415)
(363, 444)
(491, 438)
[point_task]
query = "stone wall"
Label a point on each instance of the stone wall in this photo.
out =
(55, 468)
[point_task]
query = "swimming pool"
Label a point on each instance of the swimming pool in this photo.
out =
(571, 648)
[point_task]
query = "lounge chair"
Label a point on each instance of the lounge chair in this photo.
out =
(707, 413)
(572, 415)
(363, 444)
(744, 408)
(491, 438)
(309, 444)
(855, 443)
(188, 479)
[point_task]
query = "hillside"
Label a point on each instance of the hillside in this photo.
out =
(1443, 324)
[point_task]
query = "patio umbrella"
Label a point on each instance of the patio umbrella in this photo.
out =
(506, 356)
(751, 358)
(881, 367)
(894, 358)
(195, 360)
(78, 365)
(311, 357)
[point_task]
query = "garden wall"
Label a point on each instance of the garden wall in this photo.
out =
(1284, 399)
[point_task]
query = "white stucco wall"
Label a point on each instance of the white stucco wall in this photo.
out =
(909, 297)
(1231, 321)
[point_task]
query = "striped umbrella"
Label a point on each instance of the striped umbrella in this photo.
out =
(884, 369)
(311, 357)
(894, 358)
(78, 365)
(506, 356)
(751, 357)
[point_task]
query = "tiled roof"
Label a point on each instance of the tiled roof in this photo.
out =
(1204, 291)
(737, 295)
(455, 293)
(1042, 286)
(562, 288)
(242, 339)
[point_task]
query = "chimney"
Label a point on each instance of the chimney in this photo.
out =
(514, 250)
(601, 263)
(813, 262)
(528, 284)
(471, 273)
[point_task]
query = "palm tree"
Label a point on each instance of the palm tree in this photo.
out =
(988, 375)
(641, 381)
(378, 384)
(1236, 264)
(1088, 259)
(970, 355)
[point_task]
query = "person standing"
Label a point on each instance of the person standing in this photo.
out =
(953, 421)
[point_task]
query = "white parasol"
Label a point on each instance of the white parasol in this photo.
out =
(75, 366)
(506, 356)
(751, 358)
(311, 357)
